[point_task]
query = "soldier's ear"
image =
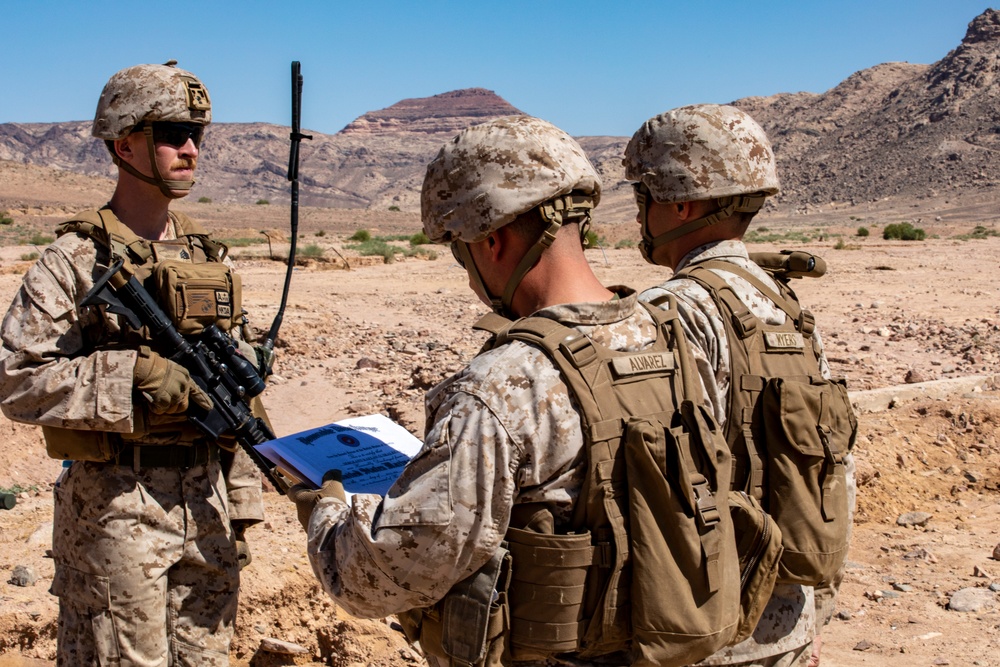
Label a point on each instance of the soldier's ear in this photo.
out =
(123, 149)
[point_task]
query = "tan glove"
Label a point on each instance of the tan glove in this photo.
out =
(166, 385)
(243, 555)
(305, 497)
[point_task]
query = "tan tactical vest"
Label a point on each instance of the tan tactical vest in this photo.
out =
(788, 427)
(648, 572)
(157, 265)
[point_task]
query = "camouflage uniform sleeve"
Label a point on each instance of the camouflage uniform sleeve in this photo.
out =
(441, 521)
(46, 374)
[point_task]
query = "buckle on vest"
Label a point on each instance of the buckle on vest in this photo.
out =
(580, 350)
(744, 323)
(807, 322)
(704, 501)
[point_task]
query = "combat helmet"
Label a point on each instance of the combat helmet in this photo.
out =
(696, 153)
(145, 94)
(490, 174)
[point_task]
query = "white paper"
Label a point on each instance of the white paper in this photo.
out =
(370, 452)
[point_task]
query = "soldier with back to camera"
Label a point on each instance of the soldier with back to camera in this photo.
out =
(701, 174)
(507, 538)
(148, 531)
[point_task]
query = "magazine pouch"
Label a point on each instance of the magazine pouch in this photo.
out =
(809, 428)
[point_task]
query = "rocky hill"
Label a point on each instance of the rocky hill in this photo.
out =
(894, 130)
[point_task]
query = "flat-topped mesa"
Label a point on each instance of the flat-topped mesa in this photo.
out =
(447, 113)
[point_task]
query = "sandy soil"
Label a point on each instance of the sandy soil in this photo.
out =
(374, 338)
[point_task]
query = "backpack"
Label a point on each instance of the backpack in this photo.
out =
(650, 566)
(789, 428)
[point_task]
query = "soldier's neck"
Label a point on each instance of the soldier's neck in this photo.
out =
(143, 210)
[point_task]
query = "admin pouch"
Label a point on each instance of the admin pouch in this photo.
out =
(789, 427)
(758, 543)
(649, 568)
(196, 295)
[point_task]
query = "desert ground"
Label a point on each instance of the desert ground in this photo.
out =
(914, 326)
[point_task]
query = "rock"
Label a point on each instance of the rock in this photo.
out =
(913, 519)
(941, 661)
(903, 588)
(920, 554)
(23, 575)
(972, 599)
(863, 645)
(914, 376)
(844, 615)
(43, 535)
(973, 476)
(272, 645)
(995, 587)
(365, 362)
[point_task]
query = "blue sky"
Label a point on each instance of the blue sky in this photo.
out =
(591, 67)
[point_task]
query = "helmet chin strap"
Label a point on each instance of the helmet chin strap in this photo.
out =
(167, 187)
(728, 206)
(565, 209)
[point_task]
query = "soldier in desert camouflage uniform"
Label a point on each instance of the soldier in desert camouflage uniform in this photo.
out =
(149, 516)
(702, 172)
(503, 439)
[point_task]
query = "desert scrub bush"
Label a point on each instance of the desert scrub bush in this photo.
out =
(40, 239)
(29, 257)
(311, 251)
(840, 245)
(419, 239)
(863, 231)
(978, 232)
(394, 209)
(376, 247)
(428, 253)
(262, 202)
(5, 219)
(591, 239)
(204, 200)
(243, 241)
(759, 236)
(625, 243)
(321, 232)
(360, 236)
(903, 231)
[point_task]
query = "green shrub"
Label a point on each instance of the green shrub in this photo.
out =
(979, 232)
(591, 239)
(40, 239)
(863, 231)
(6, 219)
(204, 200)
(29, 257)
(419, 239)
(262, 202)
(361, 236)
(321, 232)
(903, 231)
(760, 236)
(839, 245)
(311, 251)
(394, 208)
(625, 243)
(243, 241)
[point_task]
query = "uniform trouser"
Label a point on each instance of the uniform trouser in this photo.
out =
(146, 570)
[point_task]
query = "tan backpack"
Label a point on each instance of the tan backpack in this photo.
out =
(650, 566)
(789, 428)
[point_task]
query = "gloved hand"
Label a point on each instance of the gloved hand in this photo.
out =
(166, 385)
(243, 555)
(305, 497)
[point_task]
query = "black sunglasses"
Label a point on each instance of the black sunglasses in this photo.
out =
(174, 134)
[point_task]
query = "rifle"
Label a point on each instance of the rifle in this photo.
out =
(211, 358)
